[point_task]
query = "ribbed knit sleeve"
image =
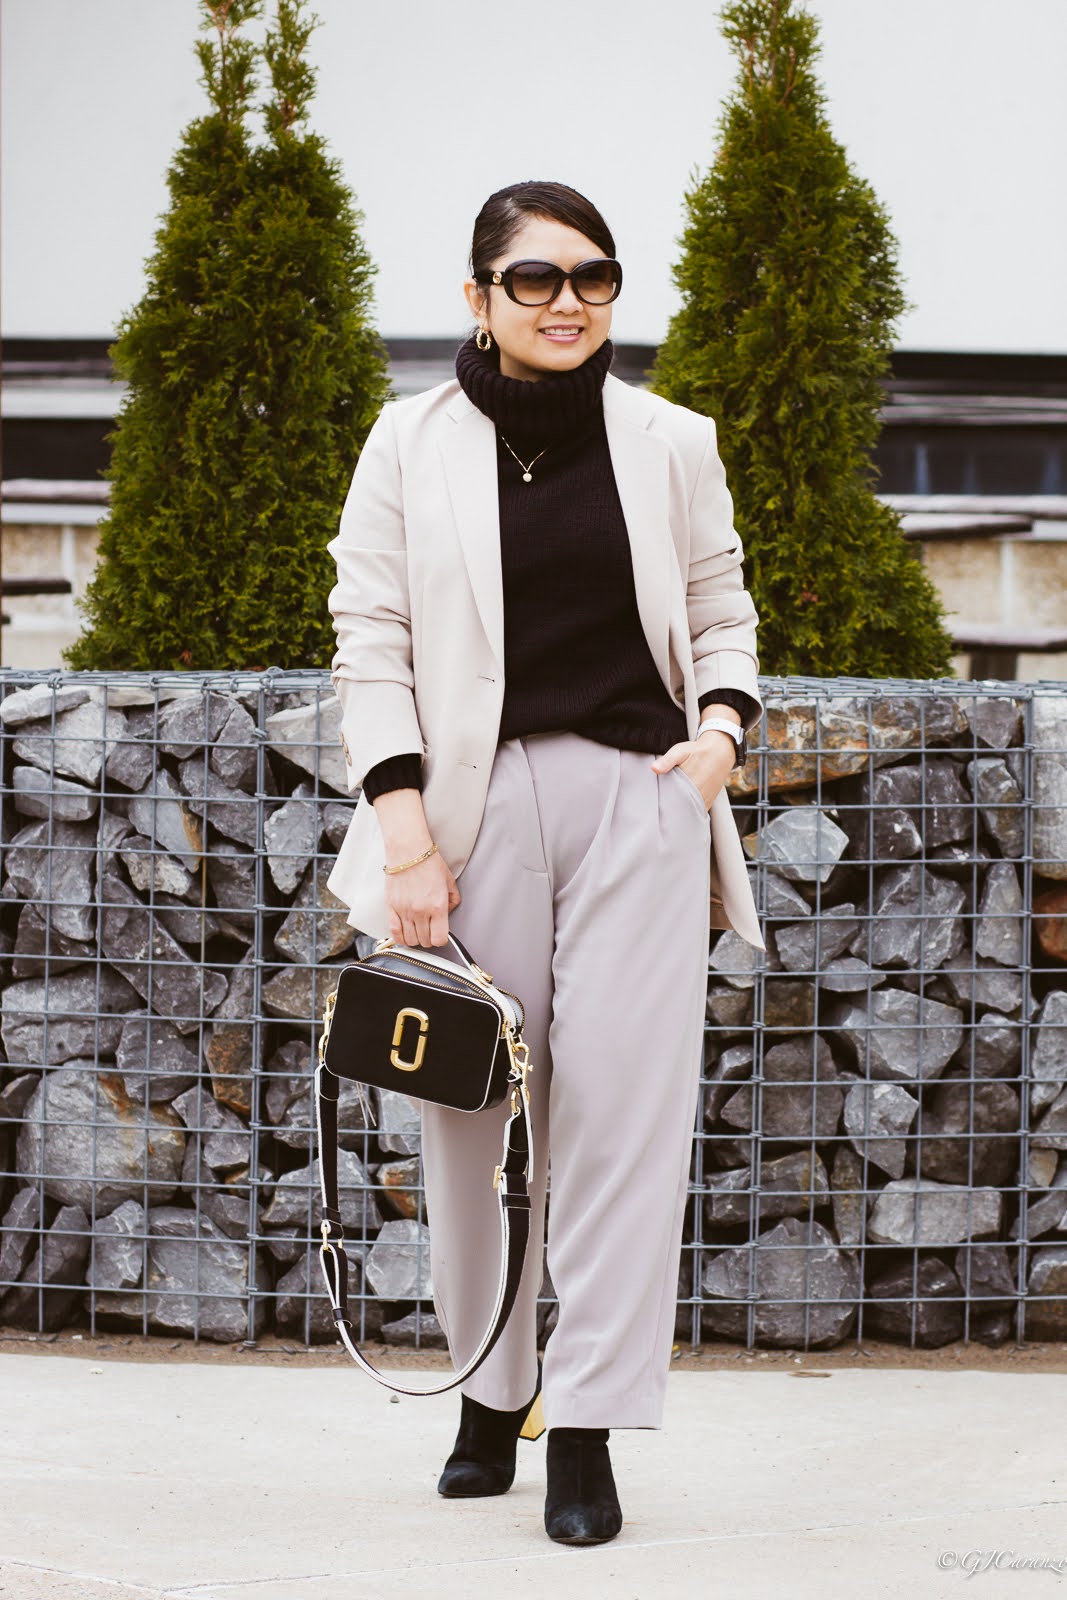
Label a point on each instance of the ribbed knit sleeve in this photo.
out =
(748, 710)
(395, 772)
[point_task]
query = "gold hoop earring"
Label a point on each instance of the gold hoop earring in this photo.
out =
(488, 345)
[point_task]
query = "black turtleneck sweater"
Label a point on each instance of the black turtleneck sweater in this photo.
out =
(575, 653)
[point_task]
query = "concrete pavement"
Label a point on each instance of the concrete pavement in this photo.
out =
(133, 1481)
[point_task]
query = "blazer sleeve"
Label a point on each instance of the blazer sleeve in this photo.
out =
(722, 616)
(371, 668)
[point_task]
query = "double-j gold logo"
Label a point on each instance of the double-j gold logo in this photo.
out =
(423, 1022)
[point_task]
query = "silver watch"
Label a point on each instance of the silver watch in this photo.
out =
(736, 732)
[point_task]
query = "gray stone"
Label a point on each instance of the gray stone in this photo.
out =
(920, 1212)
(801, 1097)
(398, 1266)
(997, 721)
(802, 844)
(289, 1104)
(1048, 1057)
(811, 946)
(916, 921)
(301, 1306)
(298, 993)
(1000, 803)
(130, 760)
(193, 925)
(903, 1036)
(1046, 1214)
(231, 872)
(1049, 833)
(970, 1133)
(198, 1281)
(957, 860)
(309, 737)
(74, 1014)
(54, 865)
(847, 1195)
(153, 1057)
(40, 948)
(193, 720)
(291, 834)
(975, 981)
(419, 1329)
(15, 1096)
(163, 815)
(76, 745)
(151, 869)
(729, 1008)
(878, 1117)
(735, 960)
(399, 1123)
(999, 931)
(928, 1312)
(233, 753)
(336, 820)
(850, 975)
(225, 1142)
(789, 1186)
(775, 897)
(137, 944)
(795, 1262)
(987, 1272)
(297, 1199)
(40, 702)
(1046, 1318)
(1050, 1133)
(230, 811)
(316, 928)
(730, 1067)
(117, 1258)
(993, 1047)
(39, 794)
(50, 1289)
(94, 1146)
(19, 1232)
(231, 1040)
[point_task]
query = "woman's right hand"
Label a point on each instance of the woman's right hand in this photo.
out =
(419, 898)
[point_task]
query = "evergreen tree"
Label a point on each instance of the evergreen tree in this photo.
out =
(254, 376)
(790, 290)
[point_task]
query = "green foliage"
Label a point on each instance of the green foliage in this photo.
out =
(254, 376)
(790, 291)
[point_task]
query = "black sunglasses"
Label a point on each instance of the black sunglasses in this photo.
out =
(536, 283)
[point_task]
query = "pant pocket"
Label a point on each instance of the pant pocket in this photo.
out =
(693, 790)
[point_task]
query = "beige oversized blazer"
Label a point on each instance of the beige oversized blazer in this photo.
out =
(418, 612)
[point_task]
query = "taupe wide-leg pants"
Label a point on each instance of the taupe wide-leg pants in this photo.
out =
(586, 894)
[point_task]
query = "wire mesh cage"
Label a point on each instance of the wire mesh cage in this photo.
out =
(879, 1144)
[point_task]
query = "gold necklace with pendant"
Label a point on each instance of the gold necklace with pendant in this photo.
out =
(527, 476)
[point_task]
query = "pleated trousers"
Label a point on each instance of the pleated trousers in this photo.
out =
(586, 894)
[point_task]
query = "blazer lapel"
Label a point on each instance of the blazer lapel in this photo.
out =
(468, 450)
(640, 462)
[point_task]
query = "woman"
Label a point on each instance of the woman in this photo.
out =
(546, 665)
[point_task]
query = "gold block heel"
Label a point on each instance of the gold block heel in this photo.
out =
(534, 1426)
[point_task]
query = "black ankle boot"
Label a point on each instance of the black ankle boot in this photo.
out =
(483, 1458)
(582, 1504)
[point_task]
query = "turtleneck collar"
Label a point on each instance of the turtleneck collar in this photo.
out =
(543, 408)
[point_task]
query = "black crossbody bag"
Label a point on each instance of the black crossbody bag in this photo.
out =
(442, 1031)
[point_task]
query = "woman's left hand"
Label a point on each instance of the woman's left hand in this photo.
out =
(708, 760)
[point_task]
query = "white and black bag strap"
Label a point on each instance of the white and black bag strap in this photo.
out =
(510, 1181)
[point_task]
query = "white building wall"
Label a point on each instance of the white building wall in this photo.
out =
(953, 109)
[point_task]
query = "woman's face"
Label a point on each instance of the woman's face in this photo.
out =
(536, 341)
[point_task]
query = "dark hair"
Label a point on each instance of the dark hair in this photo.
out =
(504, 213)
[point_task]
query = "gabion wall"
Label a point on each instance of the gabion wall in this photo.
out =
(880, 1144)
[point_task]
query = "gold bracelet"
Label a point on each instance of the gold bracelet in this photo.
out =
(403, 866)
